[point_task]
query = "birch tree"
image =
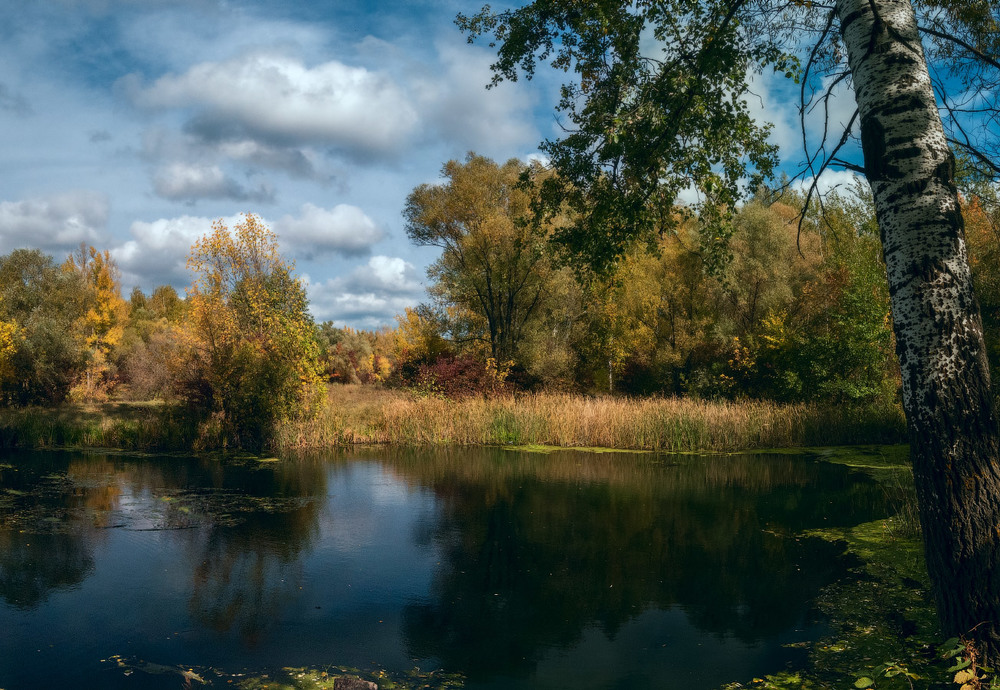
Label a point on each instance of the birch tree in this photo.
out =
(657, 103)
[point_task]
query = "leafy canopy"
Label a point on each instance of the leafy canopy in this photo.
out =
(656, 106)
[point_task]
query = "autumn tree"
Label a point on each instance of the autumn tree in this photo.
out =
(418, 339)
(40, 307)
(982, 222)
(645, 120)
(103, 324)
(349, 355)
(256, 356)
(151, 356)
(493, 265)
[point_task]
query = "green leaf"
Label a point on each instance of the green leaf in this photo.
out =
(962, 663)
(864, 682)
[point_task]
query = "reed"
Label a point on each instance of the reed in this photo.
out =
(370, 415)
(365, 415)
(151, 426)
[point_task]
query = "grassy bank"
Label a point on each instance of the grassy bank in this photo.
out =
(359, 415)
(152, 426)
(368, 415)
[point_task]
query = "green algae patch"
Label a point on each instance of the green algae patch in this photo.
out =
(540, 448)
(884, 628)
(883, 552)
(872, 459)
(324, 679)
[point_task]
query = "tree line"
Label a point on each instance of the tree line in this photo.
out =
(798, 310)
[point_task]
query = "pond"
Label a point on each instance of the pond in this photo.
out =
(517, 570)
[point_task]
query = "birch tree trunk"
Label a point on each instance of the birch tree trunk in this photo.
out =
(946, 388)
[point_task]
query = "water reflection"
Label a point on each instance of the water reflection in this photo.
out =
(516, 569)
(539, 550)
(34, 565)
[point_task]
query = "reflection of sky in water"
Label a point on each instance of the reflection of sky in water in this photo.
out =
(404, 562)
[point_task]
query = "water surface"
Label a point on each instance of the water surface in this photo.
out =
(517, 570)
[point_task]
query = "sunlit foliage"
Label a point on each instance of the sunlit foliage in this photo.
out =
(493, 266)
(103, 324)
(256, 360)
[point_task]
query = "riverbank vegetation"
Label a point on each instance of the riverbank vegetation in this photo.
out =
(785, 343)
(357, 414)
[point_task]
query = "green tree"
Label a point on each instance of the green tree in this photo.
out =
(257, 359)
(644, 125)
(493, 265)
(41, 306)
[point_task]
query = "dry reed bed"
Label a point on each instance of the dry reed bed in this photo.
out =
(357, 415)
(368, 415)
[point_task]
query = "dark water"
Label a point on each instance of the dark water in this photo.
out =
(517, 570)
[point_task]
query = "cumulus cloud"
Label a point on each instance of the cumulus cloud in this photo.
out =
(184, 182)
(370, 296)
(344, 230)
(278, 99)
(297, 162)
(53, 223)
(157, 252)
(164, 148)
(458, 108)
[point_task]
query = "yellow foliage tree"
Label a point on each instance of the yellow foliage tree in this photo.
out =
(258, 359)
(103, 324)
(10, 334)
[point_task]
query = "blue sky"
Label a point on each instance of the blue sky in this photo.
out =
(133, 124)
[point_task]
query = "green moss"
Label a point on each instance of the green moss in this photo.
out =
(323, 679)
(538, 448)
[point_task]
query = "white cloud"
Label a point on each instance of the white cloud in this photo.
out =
(344, 230)
(183, 182)
(57, 222)
(279, 99)
(297, 162)
(369, 296)
(841, 180)
(768, 102)
(459, 109)
(158, 251)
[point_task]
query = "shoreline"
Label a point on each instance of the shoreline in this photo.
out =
(367, 415)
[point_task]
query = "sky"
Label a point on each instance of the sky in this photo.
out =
(132, 125)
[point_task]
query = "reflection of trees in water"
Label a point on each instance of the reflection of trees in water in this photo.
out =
(32, 566)
(253, 519)
(248, 571)
(569, 540)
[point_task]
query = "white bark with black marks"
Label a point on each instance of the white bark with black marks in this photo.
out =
(946, 388)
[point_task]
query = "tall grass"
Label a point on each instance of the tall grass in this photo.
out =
(360, 415)
(368, 415)
(126, 426)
